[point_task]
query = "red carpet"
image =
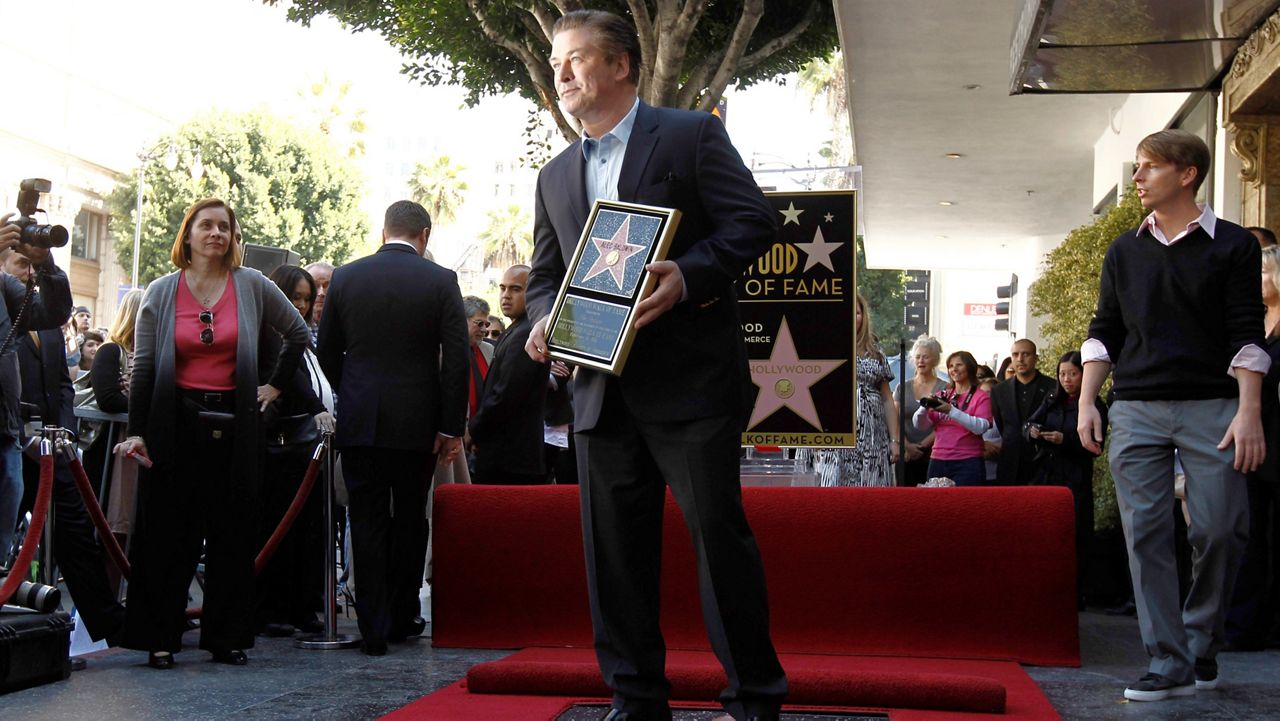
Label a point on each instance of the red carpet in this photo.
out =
(980, 573)
(909, 689)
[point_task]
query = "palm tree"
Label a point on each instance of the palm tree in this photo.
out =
(823, 78)
(436, 184)
(509, 238)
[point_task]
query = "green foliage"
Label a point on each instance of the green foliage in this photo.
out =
(508, 239)
(288, 189)
(437, 184)
(1067, 294)
(327, 105)
(884, 291)
(494, 47)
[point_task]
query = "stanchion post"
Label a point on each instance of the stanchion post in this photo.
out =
(330, 638)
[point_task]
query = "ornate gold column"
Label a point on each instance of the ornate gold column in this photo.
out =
(1251, 113)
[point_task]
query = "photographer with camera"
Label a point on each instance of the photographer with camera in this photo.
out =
(960, 415)
(22, 310)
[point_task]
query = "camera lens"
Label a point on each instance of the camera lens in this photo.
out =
(38, 597)
(44, 236)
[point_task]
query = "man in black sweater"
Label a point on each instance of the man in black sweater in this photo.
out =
(1179, 318)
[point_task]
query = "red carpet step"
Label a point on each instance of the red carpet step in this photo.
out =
(539, 684)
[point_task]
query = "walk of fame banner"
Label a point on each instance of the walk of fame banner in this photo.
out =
(797, 306)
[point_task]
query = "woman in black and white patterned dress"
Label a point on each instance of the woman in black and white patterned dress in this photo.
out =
(870, 462)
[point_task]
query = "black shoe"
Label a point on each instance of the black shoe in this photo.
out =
(1206, 674)
(78, 664)
(160, 659)
(1154, 687)
(374, 648)
(277, 630)
(1128, 608)
(308, 624)
(412, 628)
(234, 657)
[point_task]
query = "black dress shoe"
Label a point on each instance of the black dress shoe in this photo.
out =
(374, 648)
(308, 624)
(277, 630)
(78, 664)
(160, 659)
(412, 628)
(234, 657)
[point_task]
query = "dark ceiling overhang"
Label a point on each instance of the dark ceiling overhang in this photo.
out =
(1129, 46)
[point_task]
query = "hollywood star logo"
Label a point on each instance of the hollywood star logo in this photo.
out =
(785, 380)
(612, 254)
(817, 251)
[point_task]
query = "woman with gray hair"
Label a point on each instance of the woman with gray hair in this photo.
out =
(925, 354)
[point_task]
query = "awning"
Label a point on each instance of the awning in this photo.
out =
(1129, 46)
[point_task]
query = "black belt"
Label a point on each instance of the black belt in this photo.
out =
(207, 398)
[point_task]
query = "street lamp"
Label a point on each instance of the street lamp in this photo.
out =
(170, 156)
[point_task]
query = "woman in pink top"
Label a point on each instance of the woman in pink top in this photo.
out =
(194, 401)
(959, 415)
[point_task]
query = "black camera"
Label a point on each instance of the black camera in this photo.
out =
(33, 233)
(930, 402)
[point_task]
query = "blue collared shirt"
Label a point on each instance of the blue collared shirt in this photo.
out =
(603, 157)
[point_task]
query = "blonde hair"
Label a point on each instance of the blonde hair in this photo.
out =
(180, 254)
(1272, 253)
(864, 340)
(121, 332)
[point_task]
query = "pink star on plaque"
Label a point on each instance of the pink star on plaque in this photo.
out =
(612, 254)
(785, 380)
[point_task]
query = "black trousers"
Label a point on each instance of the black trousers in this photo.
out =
(386, 492)
(198, 502)
(623, 464)
(1253, 620)
(291, 586)
(77, 552)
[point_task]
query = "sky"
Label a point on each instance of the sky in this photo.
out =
(154, 54)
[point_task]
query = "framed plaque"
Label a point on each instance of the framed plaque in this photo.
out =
(592, 321)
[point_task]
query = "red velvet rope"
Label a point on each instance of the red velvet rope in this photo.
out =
(113, 546)
(38, 514)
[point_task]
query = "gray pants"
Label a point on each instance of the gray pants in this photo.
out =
(1144, 435)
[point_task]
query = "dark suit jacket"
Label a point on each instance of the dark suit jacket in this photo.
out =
(1014, 466)
(393, 343)
(44, 378)
(691, 363)
(507, 426)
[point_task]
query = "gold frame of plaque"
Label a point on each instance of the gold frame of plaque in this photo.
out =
(592, 321)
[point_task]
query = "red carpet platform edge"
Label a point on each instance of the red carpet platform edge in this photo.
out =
(910, 688)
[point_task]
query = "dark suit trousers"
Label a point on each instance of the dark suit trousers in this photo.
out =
(387, 502)
(623, 463)
(78, 554)
(198, 502)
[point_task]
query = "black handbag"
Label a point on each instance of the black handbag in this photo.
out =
(286, 434)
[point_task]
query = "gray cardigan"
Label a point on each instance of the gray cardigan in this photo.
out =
(152, 393)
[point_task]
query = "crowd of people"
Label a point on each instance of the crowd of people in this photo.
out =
(229, 379)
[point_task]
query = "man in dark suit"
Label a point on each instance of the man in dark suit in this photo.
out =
(402, 394)
(1012, 403)
(507, 428)
(677, 411)
(42, 368)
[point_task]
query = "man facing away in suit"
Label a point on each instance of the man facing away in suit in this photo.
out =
(402, 395)
(1012, 403)
(677, 411)
(507, 427)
